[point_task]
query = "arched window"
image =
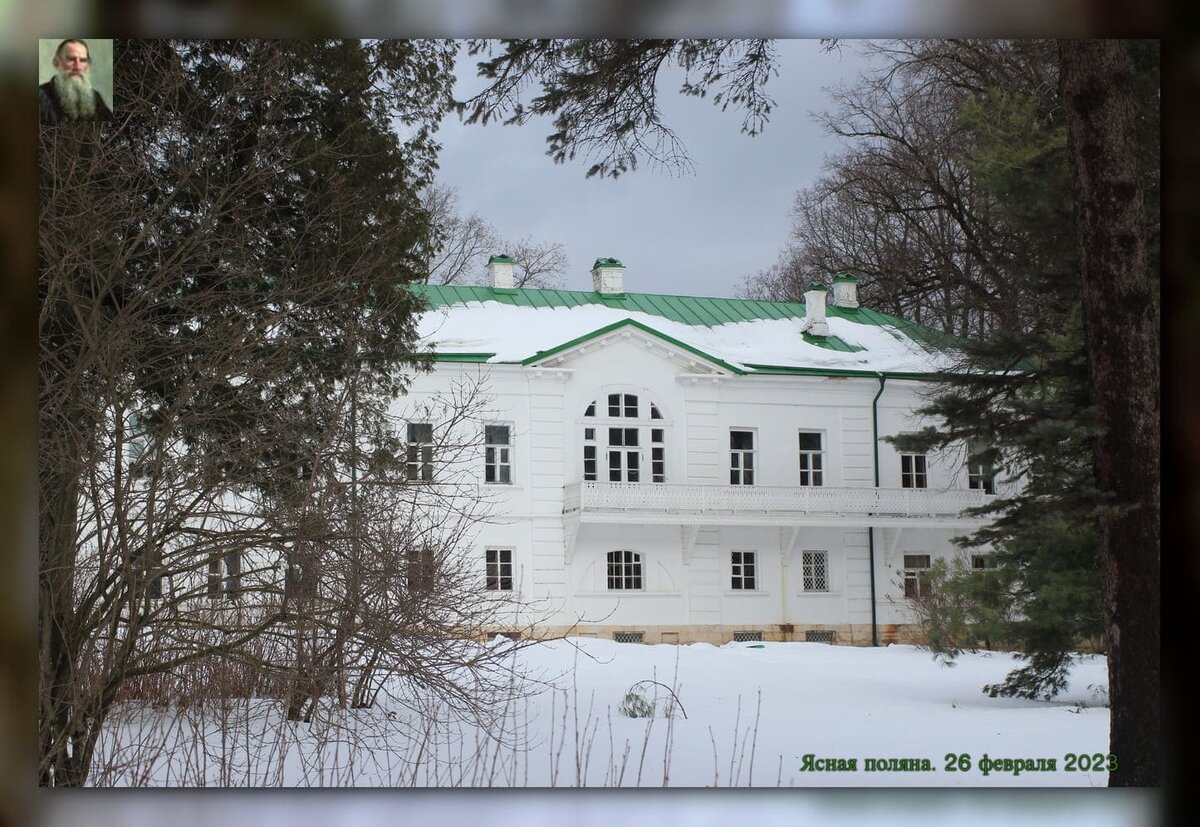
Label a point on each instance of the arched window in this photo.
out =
(624, 570)
(616, 437)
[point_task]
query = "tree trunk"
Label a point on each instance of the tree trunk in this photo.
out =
(1122, 349)
(57, 661)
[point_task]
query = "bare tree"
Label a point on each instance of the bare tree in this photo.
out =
(460, 245)
(909, 204)
(389, 592)
(222, 309)
(308, 588)
(538, 264)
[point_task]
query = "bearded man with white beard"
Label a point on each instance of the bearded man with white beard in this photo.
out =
(69, 95)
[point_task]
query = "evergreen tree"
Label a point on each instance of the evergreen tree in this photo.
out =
(1041, 590)
(1027, 394)
(1021, 400)
(213, 267)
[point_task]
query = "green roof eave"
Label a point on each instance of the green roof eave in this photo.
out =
(754, 369)
(786, 370)
(462, 357)
(603, 331)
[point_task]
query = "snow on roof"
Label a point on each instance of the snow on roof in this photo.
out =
(501, 331)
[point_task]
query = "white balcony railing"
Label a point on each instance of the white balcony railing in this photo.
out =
(698, 500)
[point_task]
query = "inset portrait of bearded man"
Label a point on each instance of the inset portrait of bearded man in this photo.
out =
(69, 96)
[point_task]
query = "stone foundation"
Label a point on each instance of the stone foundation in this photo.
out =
(841, 634)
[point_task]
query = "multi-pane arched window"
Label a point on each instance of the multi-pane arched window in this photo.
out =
(624, 440)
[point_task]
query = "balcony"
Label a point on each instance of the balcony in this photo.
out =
(667, 503)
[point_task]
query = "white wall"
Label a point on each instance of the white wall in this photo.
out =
(545, 409)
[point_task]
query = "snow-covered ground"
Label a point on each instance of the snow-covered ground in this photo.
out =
(763, 707)
(753, 714)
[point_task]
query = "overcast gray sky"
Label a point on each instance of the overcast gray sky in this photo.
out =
(698, 233)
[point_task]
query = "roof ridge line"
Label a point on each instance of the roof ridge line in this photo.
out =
(625, 293)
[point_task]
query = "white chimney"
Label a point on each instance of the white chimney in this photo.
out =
(845, 291)
(608, 276)
(814, 311)
(500, 272)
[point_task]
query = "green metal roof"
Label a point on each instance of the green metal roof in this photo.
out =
(926, 337)
(831, 343)
(692, 310)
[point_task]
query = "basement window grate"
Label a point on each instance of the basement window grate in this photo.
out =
(629, 637)
(746, 637)
(819, 636)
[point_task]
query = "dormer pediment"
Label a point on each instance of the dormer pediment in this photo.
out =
(687, 358)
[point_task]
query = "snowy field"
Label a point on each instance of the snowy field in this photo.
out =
(740, 715)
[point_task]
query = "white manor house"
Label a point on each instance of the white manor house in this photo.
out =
(677, 469)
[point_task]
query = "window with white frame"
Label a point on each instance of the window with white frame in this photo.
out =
(743, 570)
(658, 455)
(589, 453)
(617, 431)
(214, 578)
(913, 471)
(153, 561)
(916, 576)
(981, 561)
(137, 453)
(624, 455)
(499, 565)
(422, 566)
(420, 452)
(981, 472)
(233, 574)
(815, 571)
(497, 455)
(299, 579)
(224, 576)
(623, 405)
(624, 570)
(741, 457)
(812, 458)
